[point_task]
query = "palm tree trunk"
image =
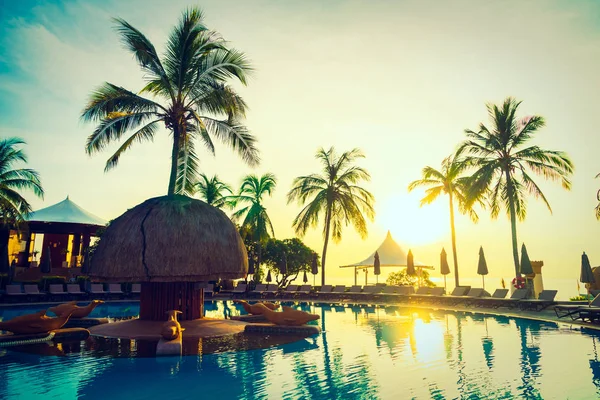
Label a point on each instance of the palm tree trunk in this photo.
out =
(327, 226)
(453, 234)
(513, 223)
(174, 158)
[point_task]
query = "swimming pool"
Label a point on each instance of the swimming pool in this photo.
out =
(363, 352)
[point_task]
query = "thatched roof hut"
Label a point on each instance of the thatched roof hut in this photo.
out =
(170, 239)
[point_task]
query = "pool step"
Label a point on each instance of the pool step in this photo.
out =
(59, 335)
(249, 318)
(282, 329)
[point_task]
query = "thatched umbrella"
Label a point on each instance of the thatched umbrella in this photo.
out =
(444, 267)
(482, 268)
(377, 267)
(169, 244)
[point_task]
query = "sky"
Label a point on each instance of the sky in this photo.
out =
(400, 80)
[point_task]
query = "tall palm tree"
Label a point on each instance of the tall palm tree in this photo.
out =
(253, 213)
(213, 191)
(335, 195)
(503, 161)
(192, 79)
(447, 181)
(13, 206)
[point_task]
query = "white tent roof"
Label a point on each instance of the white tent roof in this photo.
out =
(390, 255)
(66, 212)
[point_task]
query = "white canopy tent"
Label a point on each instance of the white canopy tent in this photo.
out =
(390, 255)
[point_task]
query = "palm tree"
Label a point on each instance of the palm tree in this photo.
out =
(503, 164)
(213, 191)
(447, 181)
(13, 206)
(256, 221)
(191, 78)
(334, 195)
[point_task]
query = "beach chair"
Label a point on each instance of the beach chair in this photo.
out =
(271, 290)
(57, 291)
(289, 291)
(208, 289)
(258, 291)
(588, 314)
(14, 292)
(304, 290)
(371, 292)
(460, 291)
(405, 292)
(33, 292)
(136, 288)
(324, 291)
(74, 289)
(572, 310)
(352, 293)
(338, 291)
(97, 289)
(545, 299)
(388, 292)
(511, 302)
(239, 290)
(115, 289)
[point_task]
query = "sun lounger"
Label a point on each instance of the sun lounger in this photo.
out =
(472, 295)
(74, 289)
(239, 290)
(496, 302)
(589, 314)
(324, 291)
(32, 291)
(371, 291)
(57, 291)
(96, 289)
(258, 291)
(338, 291)
(304, 290)
(460, 291)
(545, 299)
(14, 292)
(271, 290)
(572, 310)
(114, 288)
(208, 289)
(405, 290)
(290, 291)
(355, 289)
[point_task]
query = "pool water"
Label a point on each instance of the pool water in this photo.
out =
(362, 353)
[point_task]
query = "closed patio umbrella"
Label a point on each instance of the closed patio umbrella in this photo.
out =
(586, 276)
(46, 263)
(482, 268)
(444, 268)
(526, 267)
(314, 268)
(305, 278)
(250, 266)
(268, 280)
(377, 267)
(410, 264)
(85, 265)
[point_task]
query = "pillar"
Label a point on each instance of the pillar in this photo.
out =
(538, 282)
(156, 298)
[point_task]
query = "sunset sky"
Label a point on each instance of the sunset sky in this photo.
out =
(399, 79)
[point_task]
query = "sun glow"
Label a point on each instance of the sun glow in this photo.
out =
(414, 225)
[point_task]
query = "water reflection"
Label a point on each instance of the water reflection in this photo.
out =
(362, 352)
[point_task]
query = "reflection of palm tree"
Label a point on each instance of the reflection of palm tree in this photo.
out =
(530, 358)
(595, 367)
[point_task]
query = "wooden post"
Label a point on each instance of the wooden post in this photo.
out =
(156, 298)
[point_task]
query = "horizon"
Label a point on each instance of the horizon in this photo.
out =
(309, 87)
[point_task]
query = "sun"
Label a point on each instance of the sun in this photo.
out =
(414, 225)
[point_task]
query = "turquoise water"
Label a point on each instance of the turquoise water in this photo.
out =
(363, 353)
